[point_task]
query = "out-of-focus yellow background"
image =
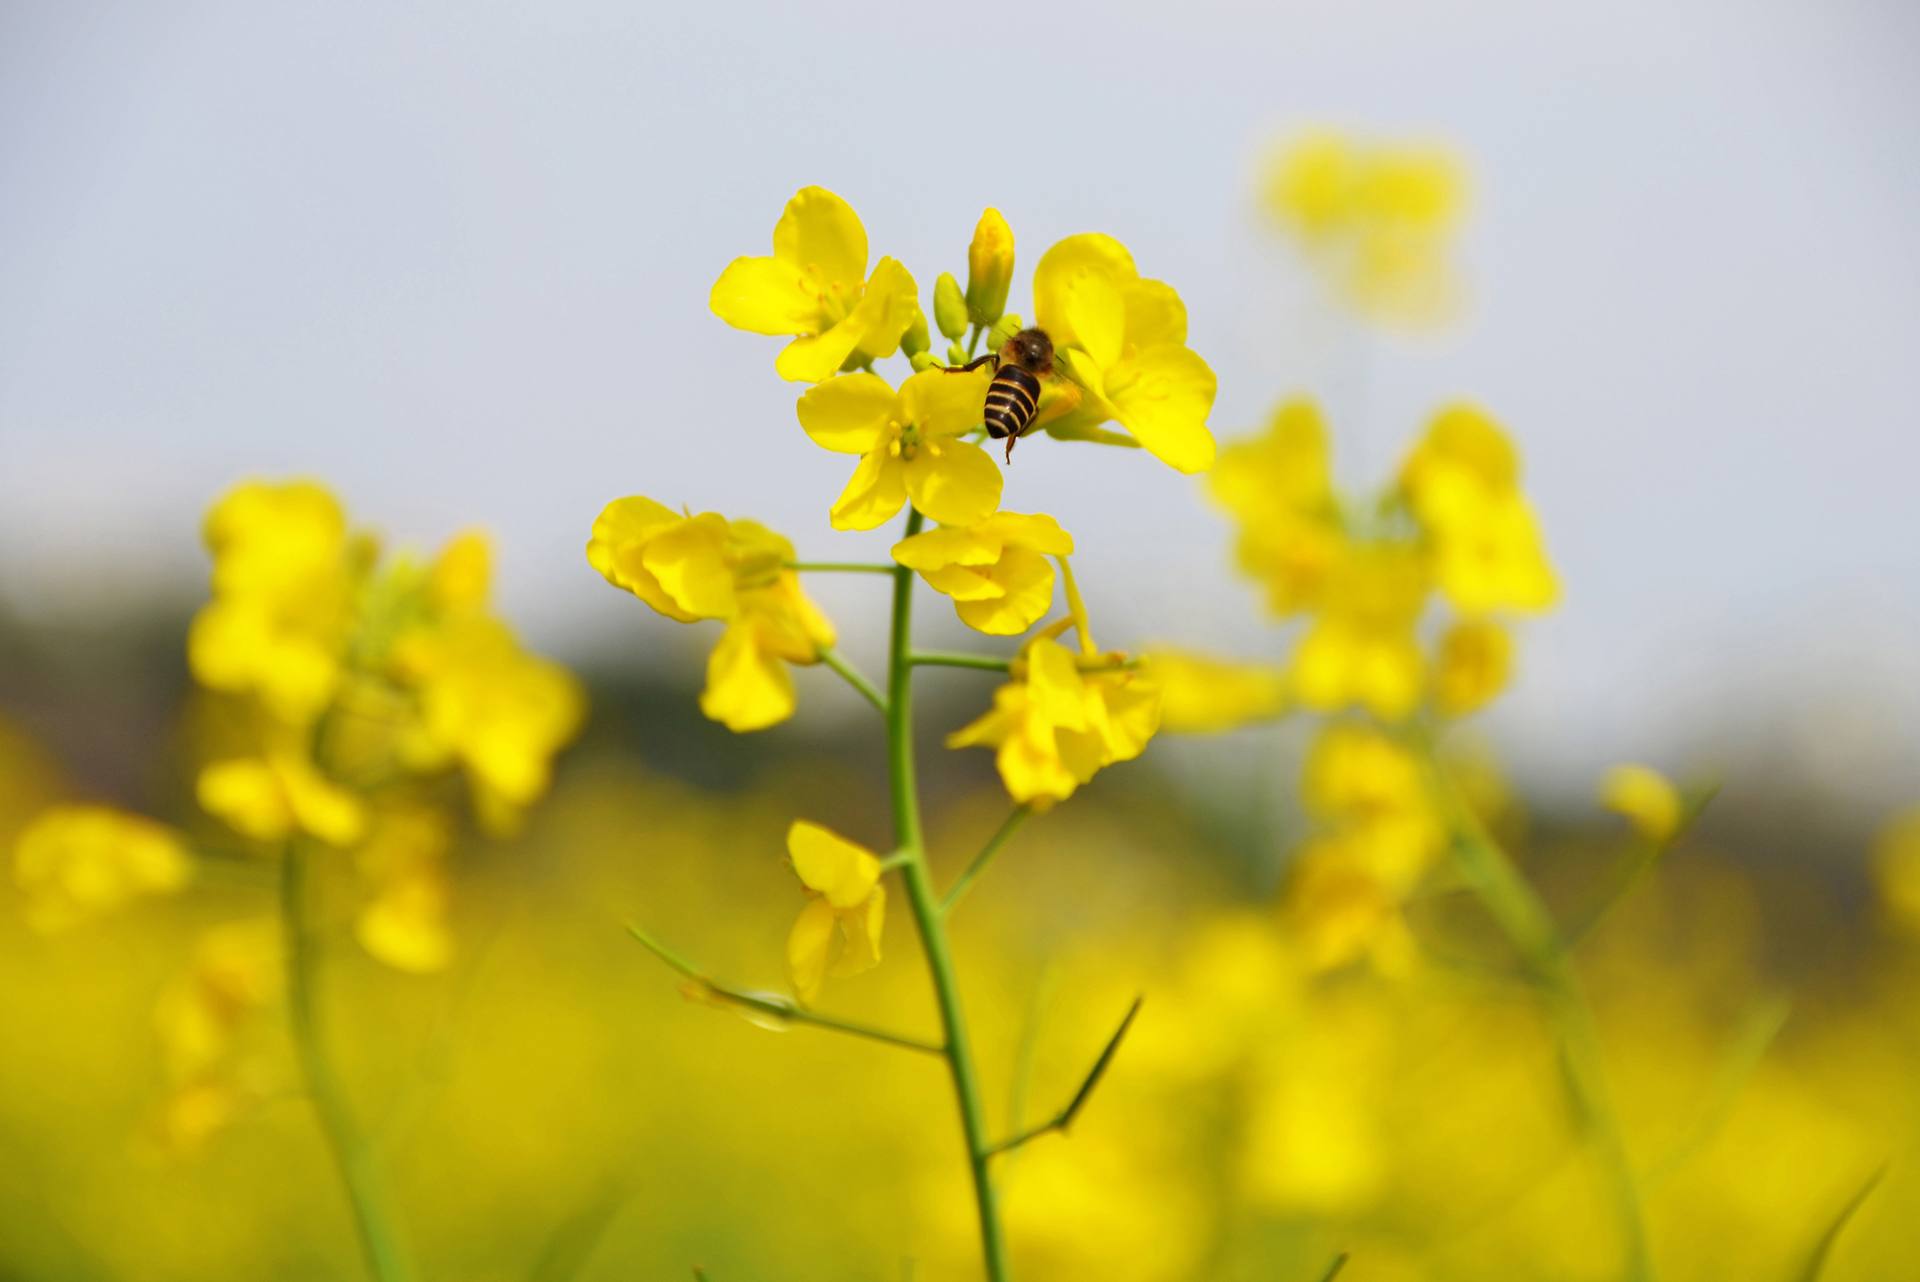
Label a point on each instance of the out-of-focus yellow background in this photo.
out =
(455, 264)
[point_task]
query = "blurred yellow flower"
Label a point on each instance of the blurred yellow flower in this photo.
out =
(236, 972)
(1361, 648)
(1200, 694)
(1473, 665)
(1377, 220)
(815, 285)
(77, 861)
(1895, 866)
(285, 575)
(1462, 482)
(404, 923)
(1645, 798)
(1053, 727)
(989, 269)
(1373, 792)
(1123, 339)
(838, 932)
(1338, 913)
(909, 446)
(1279, 488)
(270, 797)
(997, 571)
(707, 567)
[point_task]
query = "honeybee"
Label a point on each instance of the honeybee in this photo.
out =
(1013, 397)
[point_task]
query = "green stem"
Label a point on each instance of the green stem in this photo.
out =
(925, 903)
(839, 567)
(359, 1166)
(854, 677)
(981, 860)
(1527, 924)
(947, 659)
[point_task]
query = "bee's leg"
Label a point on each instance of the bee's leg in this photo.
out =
(973, 364)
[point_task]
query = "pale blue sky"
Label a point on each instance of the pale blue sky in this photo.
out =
(454, 259)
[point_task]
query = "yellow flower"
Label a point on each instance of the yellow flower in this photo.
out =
(76, 861)
(1200, 694)
(200, 1020)
(812, 286)
(1279, 487)
(989, 269)
(1645, 798)
(909, 446)
(1361, 648)
(285, 573)
(1474, 663)
(1053, 727)
(1339, 913)
(706, 567)
(1463, 484)
(1376, 220)
(997, 572)
(1373, 793)
(1896, 869)
(1123, 340)
(838, 932)
(404, 924)
(271, 797)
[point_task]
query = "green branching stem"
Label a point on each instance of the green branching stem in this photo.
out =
(855, 678)
(840, 567)
(1649, 853)
(1064, 1118)
(980, 861)
(946, 659)
(924, 901)
(1530, 928)
(774, 1007)
(359, 1166)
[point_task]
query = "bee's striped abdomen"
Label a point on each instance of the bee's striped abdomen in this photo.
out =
(1012, 399)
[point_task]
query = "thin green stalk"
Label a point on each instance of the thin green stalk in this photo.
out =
(855, 678)
(924, 900)
(839, 567)
(948, 659)
(775, 1007)
(1524, 919)
(359, 1166)
(980, 861)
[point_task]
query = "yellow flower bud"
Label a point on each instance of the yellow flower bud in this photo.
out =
(989, 268)
(922, 360)
(956, 353)
(949, 306)
(916, 340)
(1645, 798)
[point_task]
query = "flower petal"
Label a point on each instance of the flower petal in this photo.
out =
(1155, 314)
(942, 403)
(848, 414)
(617, 547)
(1060, 264)
(1026, 581)
(887, 309)
(817, 358)
(689, 560)
(949, 545)
(1163, 395)
(877, 490)
(845, 872)
(809, 944)
(819, 232)
(1036, 531)
(1095, 307)
(959, 485)
(860, 929)
(765, 296)
(747, 689)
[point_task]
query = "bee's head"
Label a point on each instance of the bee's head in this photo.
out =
(1031, 350)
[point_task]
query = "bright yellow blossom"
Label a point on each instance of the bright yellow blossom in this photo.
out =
(989, 269)
(1279, 487)
(1123, 339)
(1475, 660)
(1053, 727)
(73, 862)
(1361, 648)
(838, 932)
(997, 572)
(815, 285)
(1200, 694)
(285, 572)
(909, 446)
(270, 797)
(707, 567)
(1463, 484)
(1377, 220)
(1646, 798)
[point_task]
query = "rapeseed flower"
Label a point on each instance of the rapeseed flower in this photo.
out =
(404, 921)
(815, 285)
(996, 572)
(1361, 648)
(1122, 339)
(277, 794)
(1372, 791)
(909, 446)
(1645, 798)
(78, 861)
(707, 567)
(838, 932)
(1201, 694)
(1053, 727)
(1279, 488)
(1472, 666)
(202, 1019)
(1462, 482)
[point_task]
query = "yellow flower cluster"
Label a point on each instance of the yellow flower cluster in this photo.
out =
(205, 1018)
(1376, 219)
(74, 862)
